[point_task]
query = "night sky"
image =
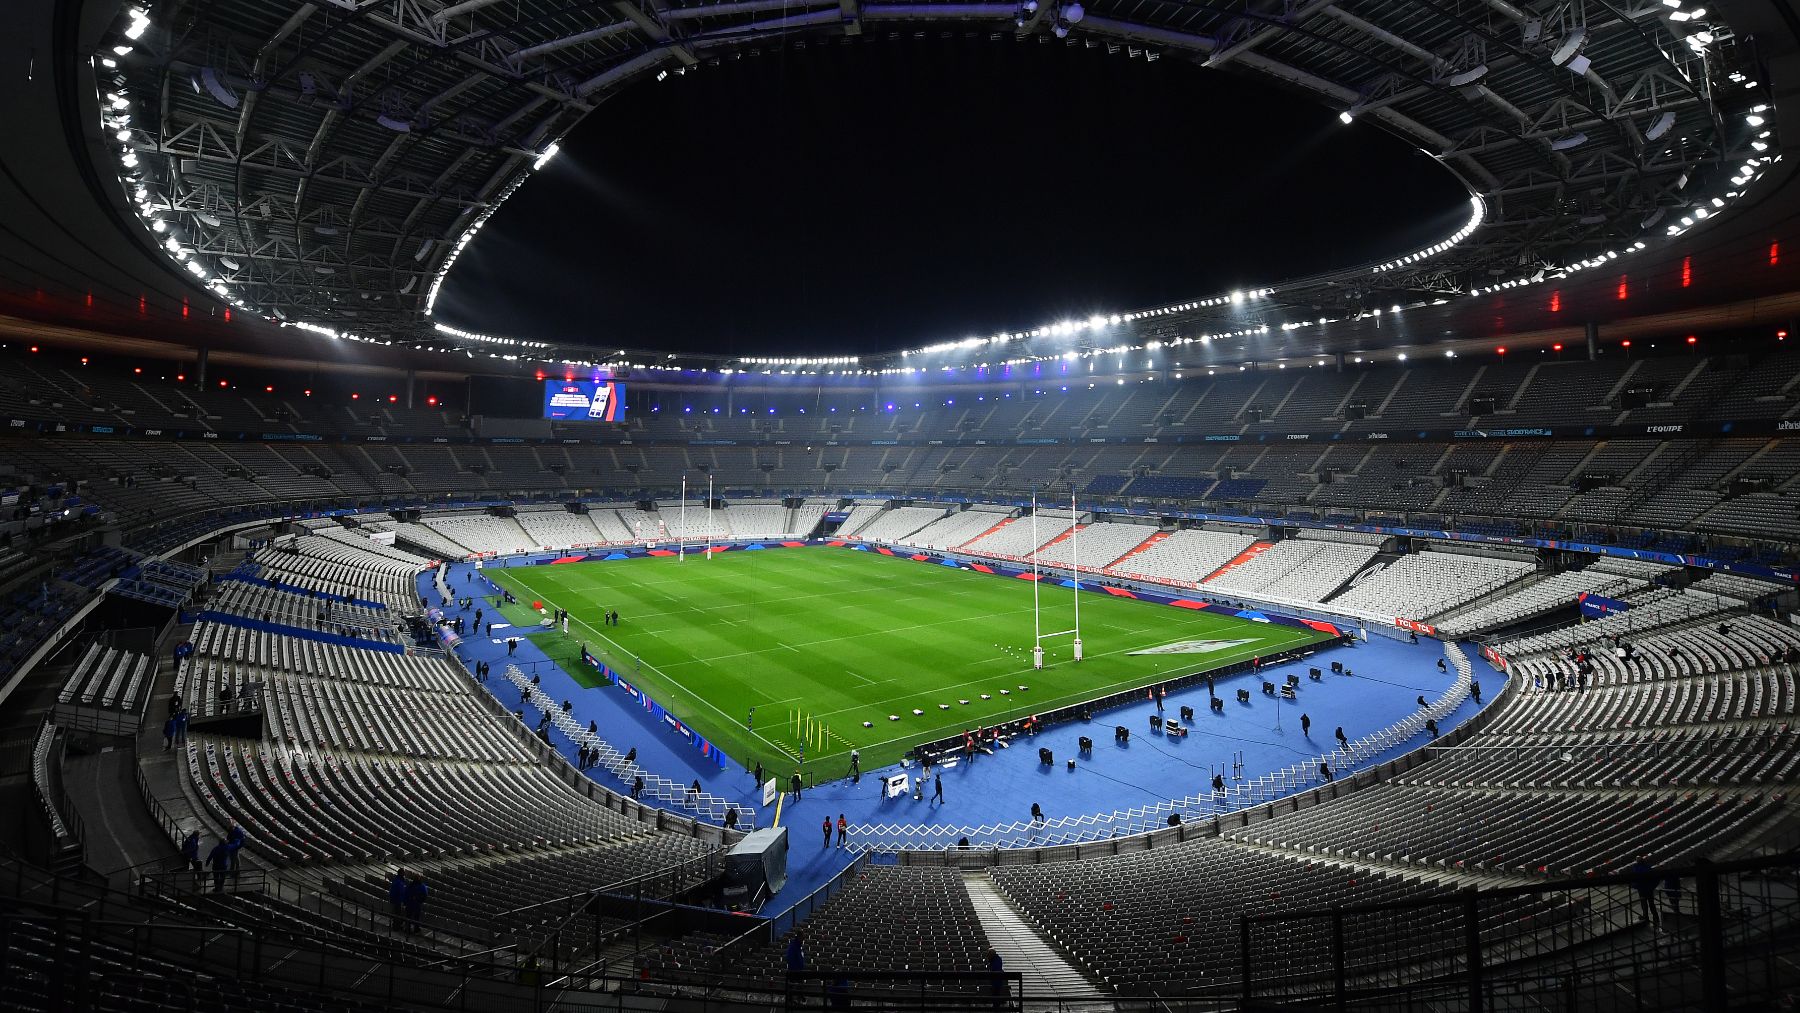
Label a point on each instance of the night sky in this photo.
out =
(891, 193)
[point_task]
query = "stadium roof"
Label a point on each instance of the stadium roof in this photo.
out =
(322, 162)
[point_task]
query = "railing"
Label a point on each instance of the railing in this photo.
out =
(944, 990)
(62, 821)
(1565, 945)
(562, 941)
(171, 827)
(1647, 744)
(1604, 942)
(782, 923)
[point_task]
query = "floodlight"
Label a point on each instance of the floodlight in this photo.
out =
(1571, 44)
(1661, 126)
(1469, 77)
(210, 80)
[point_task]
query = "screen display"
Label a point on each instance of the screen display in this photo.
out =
(584, 400)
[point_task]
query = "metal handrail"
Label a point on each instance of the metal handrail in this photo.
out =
(581, 903)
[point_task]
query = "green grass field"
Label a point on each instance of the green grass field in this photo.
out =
(826, 639)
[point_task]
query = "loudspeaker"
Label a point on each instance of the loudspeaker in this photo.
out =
(1253, 415)
(1121, 733)
(1356, 411)
(1481, 406)
(1155, 721)
(1337, 666)
(1187, 713)
(1243, 696)
(1045, 758)
(1637, 398)
(1087, 744)
(1268, 688)
(1315, 673)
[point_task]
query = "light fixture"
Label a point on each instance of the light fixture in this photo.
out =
(1469, 77)
(1570, 45)
(209, 80)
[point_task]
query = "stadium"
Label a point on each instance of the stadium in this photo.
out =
(1315, 523)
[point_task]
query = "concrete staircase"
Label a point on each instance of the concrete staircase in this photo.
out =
(1024, 950)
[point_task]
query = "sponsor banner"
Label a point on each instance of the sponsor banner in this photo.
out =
(708, 752)
(1594, 605)
(1415, 626)
(1493, 657)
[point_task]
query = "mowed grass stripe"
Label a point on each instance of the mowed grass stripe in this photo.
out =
(855, 636)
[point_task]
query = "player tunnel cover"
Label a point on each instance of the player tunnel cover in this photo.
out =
(584, 400)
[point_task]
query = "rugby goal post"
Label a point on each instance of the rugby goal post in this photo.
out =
(1037, 622)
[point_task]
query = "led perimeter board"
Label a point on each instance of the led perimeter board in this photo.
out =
(584, 400)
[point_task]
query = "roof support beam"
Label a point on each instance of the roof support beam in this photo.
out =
(622, 72)
(1267, 33)
(653, 30)
(466, 7)
(593, 35)
(740, 7)
(933, 12)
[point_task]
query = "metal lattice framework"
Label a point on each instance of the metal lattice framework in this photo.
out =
(324, 160)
